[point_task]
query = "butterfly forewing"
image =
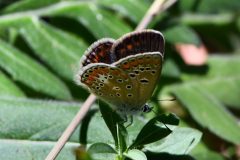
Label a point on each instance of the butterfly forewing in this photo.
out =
(98, 52)
(138, 42)
(144, 71)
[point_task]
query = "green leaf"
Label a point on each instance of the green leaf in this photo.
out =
(214, 6)
(100, 22)
(158, 130)
(60, 50)
(208, 112)
(220, 81)
(181, 34)
(34, 119)
(111, 119)
(135, 10)
(204, 153)
(122, 137)
(26, 5)
(101, 148)
(101, 151)
(29, 150)
(8, 88)
(180, 141)
(24, 69)
(96, 131)
(135, 154)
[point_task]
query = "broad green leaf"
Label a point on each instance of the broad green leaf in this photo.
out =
(60, 50)
(208, 112)
(135, 154)
(29, 150)
(102, 151)
(219, 20)
(133, 9)
(181, 34)
(221, 79)
(213, 6)
(158, 129)
(8, 88)
(135, 127)
(35, 119)
(203, 153)
(223, 66)
(225, 90)
(101, 148)
(24, 69)
(27, 5)
(111, 119)
(96, 131)
(180, 141)
(100, 22)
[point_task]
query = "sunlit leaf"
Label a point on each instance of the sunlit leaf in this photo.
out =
(22, 68)
(28, 150)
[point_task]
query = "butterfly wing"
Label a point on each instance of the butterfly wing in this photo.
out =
(108, 82)
(144, 71)
(98, 52)
(138, 42)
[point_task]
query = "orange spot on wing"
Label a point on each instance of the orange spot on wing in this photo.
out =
(125, 66)
(129, 47)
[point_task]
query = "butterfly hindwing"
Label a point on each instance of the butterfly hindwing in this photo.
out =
(108, 82)
(144, 71)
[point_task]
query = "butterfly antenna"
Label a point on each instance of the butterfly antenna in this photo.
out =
(160, 120)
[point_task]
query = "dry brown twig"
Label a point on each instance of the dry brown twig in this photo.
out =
(157, 7)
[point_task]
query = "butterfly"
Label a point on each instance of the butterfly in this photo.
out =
(124, 72)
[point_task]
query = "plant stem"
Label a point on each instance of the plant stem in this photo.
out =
(71, 127)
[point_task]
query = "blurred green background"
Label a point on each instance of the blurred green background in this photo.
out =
(42, 41)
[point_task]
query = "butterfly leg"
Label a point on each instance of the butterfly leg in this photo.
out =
(131, 121)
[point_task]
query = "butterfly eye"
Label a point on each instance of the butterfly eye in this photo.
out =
(146, 108)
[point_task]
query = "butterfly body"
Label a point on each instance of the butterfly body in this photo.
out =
(124, 72)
